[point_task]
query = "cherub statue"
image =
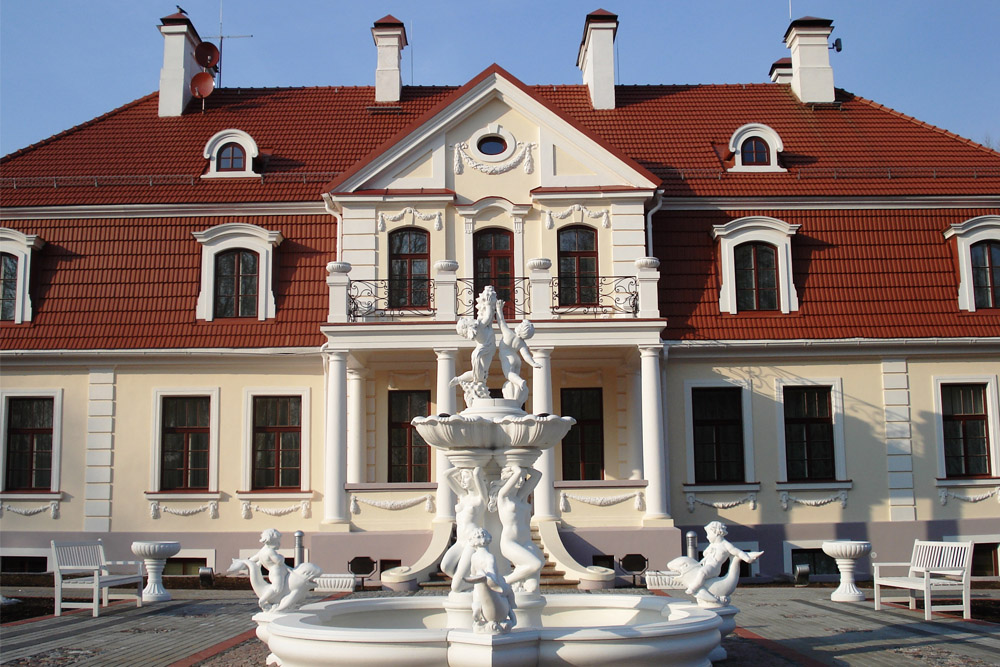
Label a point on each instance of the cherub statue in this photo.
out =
(512, 348)
(284, 589)
(703, 578)
(480, 330)
(470, 512)
(512, 507)
(492, 598)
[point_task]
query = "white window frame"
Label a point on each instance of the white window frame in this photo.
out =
(836, 386)
(746, 400)
(763, 230)
(159, 394)
(786, 549)
(769, 136)
(57, 422)
(21, 246)
(234, 136)
(305, 478)
(992, 425)
(234, 236)
(490, 130)
(967, 234)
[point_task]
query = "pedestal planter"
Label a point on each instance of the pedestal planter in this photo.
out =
(155, 554)
(846, 553)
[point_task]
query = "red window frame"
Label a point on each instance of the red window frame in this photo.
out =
(756, 282)
(809, 446)
(966, 431)
(578, 266)
(755, 152)
(493, 249)
(986, 273)
(409, 454)
(717, 422)
(29, 445)
(231, 157)
(236, 287)
(277, 442)
(8, 275)
(409, 268)
(188, 417)
(583, 446)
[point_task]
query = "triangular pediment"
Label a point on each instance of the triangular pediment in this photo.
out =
(529, 145)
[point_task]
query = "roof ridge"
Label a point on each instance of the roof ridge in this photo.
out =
(921, 123)
(76, 128)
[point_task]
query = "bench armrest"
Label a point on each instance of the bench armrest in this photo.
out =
(878, 565)
(123, 562)
(951, 572)
(69, 569)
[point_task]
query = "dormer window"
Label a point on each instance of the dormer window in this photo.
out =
(237, 273)
(756, 265)
(15, 271)
(986, 274)
(755, 147)
(230, 153)
(8, 274)
(236, 278)
(978, 253)
(756, 277)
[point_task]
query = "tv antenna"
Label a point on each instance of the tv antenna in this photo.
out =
(222, 37)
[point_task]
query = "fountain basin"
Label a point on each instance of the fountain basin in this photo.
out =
(476, 431)
(575, 630)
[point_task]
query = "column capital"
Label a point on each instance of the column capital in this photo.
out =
(357, 373)
(446, 352)
(650, 350)
(542, 352)
(336, 355)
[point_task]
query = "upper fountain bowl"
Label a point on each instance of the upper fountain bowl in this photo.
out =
(493, 426)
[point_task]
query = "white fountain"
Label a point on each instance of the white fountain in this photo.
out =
(495, 613)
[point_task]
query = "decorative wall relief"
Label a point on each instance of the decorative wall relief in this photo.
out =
(787, 499)
(417, 215)
(393, 505)
(750, 498)
(945, 494)
(248, 508)
(603, 216)
(51, 506)
(522, 154)
(602, 501)
(155, 510)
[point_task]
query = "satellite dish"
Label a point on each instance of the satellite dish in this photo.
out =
(837, 45)
(206, 54)
(202, 85)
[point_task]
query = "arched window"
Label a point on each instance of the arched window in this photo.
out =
(754, 152)
(236, 276)
(8, 269)
(231, 158)
(985, 274)
(756, 277)
(493, 257)
(578, 266)
(409, 268)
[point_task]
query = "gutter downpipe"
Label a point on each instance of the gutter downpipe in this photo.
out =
(329, 205)
(658, 198)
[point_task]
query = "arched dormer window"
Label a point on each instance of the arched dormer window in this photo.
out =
(756, 265)
(15, 252)
(237, 261)
(755, 147)
(978, 252)
(230, 154)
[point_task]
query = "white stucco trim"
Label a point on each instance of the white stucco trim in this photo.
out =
(305, 430)
(769, 136)
(21, 246)
(156, 450)
(230, 236)
(57, 422)
(967, 234)
(756, 229)
(746, 396)
(992, 425)
(837, 408)
(220, 139)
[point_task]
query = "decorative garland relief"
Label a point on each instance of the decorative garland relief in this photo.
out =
(750, 498)
(601, 501)
(787, 499)
(523, 154)
(248, 508)
(392, 505)
(945, 494)
(51, 506)
(426, 217)
(604, 216)
(155, 509)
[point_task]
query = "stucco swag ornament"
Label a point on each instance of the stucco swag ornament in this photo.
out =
(523, 154)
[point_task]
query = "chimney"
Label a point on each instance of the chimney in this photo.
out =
(812, 76)
(781, 71)
(596, 58)
(390, 38)
(179, 42)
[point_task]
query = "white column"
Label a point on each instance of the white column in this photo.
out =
(335, 509)
(447, 404)
(653, 453)
(541, 401)
(356, 414)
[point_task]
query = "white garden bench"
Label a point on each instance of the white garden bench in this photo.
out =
(70, 558)
(933, 567)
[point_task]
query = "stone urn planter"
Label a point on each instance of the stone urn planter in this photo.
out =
(846, 553)
(155, 555)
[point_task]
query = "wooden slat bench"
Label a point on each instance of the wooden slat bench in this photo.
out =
(71, 558)
(933, 567)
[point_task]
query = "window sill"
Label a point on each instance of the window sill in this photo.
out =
(180, 495)
(31, 495)
(274, 495)
(721, 488)
(970, 482)
(231, 174)
(601, 483)
(814, 486)
(392, 486)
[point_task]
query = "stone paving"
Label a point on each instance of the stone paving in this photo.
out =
(776, 626)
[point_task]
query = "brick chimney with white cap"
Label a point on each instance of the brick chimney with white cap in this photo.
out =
(596, 58)
(180, 39)
(812, 76)
(390, 38)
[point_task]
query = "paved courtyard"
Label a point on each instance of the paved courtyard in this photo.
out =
(776, 626)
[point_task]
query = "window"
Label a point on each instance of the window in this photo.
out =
(277, 429)
(493, 257)
(717, 421)
(985, 274)
(409, 455)
(231, 158)
(754, 152)
(409, 269)
(492, 144)
(236, 282)
(977, 246)
(29, 438)
(966, 437)
(816, 559)
(578, 282)
(756, 265)
(15, 271)
(230, 153)
(809, 434)
(185, 443)
(583, 446)
(237, 271)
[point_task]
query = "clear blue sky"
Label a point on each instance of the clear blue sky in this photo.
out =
(63, 62)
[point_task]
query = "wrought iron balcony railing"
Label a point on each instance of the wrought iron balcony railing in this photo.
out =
(377, 299)
(595, 295)
(513, 291)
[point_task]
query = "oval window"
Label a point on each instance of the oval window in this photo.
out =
(492, 144)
